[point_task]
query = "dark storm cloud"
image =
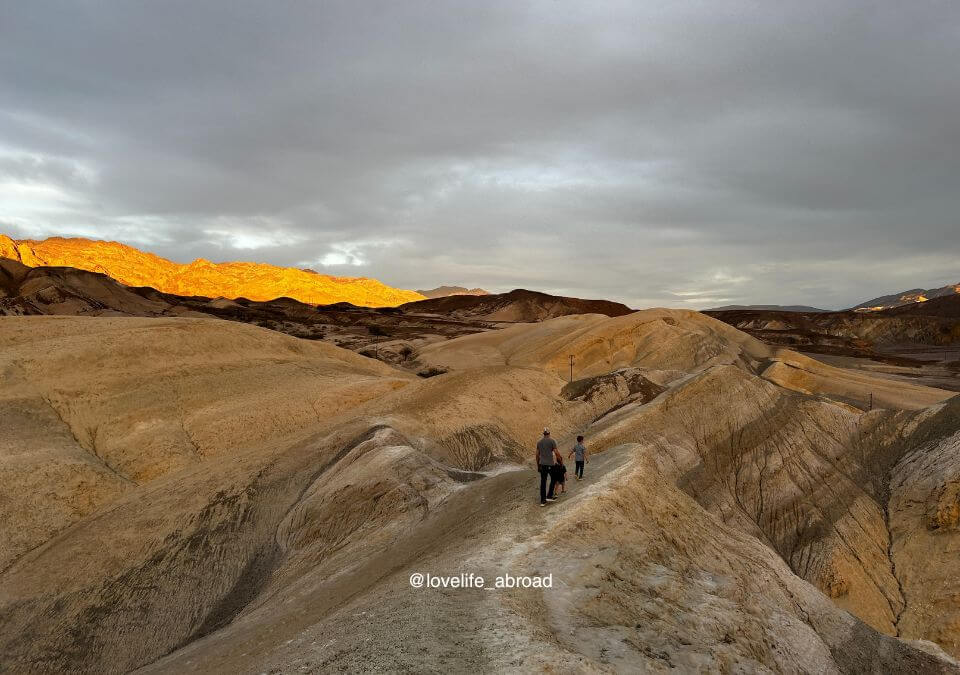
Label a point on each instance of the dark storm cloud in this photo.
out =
(685, 153)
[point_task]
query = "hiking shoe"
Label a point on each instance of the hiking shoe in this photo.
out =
(543, 503)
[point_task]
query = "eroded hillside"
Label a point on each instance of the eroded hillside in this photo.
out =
(200, 495)
(933, 323)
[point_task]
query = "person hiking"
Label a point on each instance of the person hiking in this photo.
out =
(560, 474)
(546, 457)
(580, 450)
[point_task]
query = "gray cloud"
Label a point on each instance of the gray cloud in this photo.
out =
(685, 153)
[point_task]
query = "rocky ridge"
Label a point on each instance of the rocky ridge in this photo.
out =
(254, 281)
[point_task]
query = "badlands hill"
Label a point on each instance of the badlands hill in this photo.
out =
(65, 290)
(193, 495)
(947, 306)
(253, 281)
(849, 331)
(916, 295)
(517, 305)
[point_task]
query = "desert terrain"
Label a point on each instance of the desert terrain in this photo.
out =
(389, 333)
(303, 306)
(189, 494)
(916, 341)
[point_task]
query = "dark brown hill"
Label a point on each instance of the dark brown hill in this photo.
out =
(29, 291)
(947, 306)
(849, 333)
(520, 305)
(907, 298)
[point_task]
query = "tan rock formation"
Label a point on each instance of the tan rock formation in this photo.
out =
(924, 507)
(93, 408)
(197, 495)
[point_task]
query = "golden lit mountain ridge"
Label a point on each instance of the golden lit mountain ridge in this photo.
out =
(254, 281)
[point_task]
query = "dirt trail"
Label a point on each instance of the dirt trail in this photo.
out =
(370, 617)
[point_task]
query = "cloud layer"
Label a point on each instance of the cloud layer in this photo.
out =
(683, 153)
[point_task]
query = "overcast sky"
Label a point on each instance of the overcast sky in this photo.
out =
(657, 153)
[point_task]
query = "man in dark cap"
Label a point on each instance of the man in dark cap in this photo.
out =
(546, 456)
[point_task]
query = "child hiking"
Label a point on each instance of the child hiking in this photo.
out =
(580, 452)
(560, 476)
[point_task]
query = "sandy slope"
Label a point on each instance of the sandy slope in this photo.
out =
(110, 404)
(679, 340)
(241, 501)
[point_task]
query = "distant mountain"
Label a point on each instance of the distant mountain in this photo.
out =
(254, 281)
(772, 308)
(849, 333)
(906, 298)
(445, 291)
(519, 306)
(947, 306)
(67, 291)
